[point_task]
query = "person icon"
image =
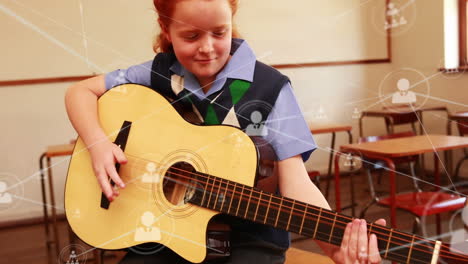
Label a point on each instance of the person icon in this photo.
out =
(73, 259)
(119, 80)
(76, 213)
(150, 176)
(349, 160)
(321, 113)
(392, 11)
(403, 21)
(356, 114)
(148, 232)
(394, 15)
(5, 198)
(403, 96)
(257, 128)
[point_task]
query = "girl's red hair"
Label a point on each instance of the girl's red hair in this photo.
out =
(165, 9)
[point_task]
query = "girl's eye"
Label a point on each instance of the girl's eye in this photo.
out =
(191, 36)
(219, 33)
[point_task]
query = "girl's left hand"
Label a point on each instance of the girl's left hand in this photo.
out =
(357, 247)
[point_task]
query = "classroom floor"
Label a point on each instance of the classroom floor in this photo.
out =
(26, 245)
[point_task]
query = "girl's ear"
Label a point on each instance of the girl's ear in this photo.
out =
(164, 30)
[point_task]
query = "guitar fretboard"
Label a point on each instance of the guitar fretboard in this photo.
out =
(294, 216)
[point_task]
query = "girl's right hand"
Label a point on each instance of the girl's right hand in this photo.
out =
(104, 156)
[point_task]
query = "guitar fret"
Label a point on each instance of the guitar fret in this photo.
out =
(232, 196)
(290, 215)
(279, 211)
(204, 193)
(388, 242)
(211, 192)
(436, 252)
(411, 249)
(333, 227)
(268, 209)
(225, 195)
(248, 203)
(217, 193)
(317, 223)
(258, 204)
(240, 199)
(303, 218)
(369, 231)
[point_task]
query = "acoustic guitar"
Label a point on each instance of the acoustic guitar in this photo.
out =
(180, 175)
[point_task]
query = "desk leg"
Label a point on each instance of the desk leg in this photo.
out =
(437, 182)
(391, 170)
(353, 198)
(337, 183)
(393, 221)
(360, 125)
(448, 155)
(330, 160)
(53, 209)
(45, 209)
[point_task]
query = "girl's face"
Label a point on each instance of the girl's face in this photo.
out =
(200, 33)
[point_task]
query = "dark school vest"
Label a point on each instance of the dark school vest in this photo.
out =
(233, 105)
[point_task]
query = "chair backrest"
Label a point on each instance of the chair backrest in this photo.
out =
(462, 125)
(400, 118)
(390, 136)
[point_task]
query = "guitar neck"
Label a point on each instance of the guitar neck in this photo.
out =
(294, 216)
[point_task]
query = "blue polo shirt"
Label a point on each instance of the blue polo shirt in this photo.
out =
(288, 132)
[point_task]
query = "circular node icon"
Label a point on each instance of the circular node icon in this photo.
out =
(259, 120)
(151, 232)
(11, 191)
(395, 18)
(351, 162)
(73, 254)
(404, 90)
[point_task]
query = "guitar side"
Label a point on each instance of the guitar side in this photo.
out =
(144, 210)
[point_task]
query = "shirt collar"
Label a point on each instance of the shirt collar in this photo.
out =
(240, 66)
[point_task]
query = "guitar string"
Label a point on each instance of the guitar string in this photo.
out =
(402, 257)
(396, 255)
(242, 198)
(396, 231)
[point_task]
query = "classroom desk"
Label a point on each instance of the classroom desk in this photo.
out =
(332, 128)
(391, 113)
(400, 147)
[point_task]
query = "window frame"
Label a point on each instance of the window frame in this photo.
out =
(462, 28)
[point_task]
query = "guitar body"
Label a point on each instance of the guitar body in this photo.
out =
(151, 208)
(180, 175)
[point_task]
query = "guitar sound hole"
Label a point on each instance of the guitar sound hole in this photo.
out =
(179, 185)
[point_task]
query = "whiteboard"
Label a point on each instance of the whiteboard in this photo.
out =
(308, 31)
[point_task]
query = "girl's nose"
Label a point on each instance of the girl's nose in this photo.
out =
(206, 45)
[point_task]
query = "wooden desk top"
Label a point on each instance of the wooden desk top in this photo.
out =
(59, 150)
(299, 256)
(401, 110)
(408, 146)
(322, 128)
